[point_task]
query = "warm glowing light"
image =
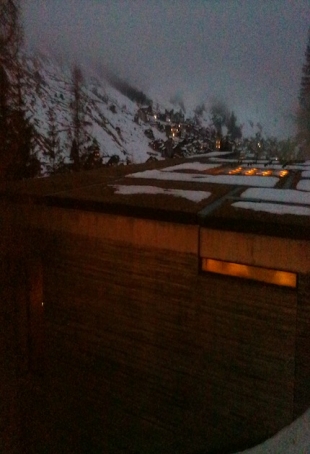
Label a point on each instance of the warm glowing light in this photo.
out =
(264, 173)
(250, 171)
(234, 171)
(281, 173)
(283, 278)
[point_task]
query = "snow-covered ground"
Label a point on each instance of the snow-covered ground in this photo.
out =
(294, 439)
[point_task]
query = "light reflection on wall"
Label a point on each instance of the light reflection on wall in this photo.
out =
(282, 278)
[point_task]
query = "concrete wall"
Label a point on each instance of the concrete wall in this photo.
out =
(143, 352)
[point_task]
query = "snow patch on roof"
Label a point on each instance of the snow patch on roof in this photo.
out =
(204, 178)
(211, 154)
(191, 166)
(275, 208)
(261, 164)
(194, 196)
(303, 185)
(278, 195)
(305, 174)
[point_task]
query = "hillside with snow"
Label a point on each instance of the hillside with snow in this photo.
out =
(109, 115)
(119, 121)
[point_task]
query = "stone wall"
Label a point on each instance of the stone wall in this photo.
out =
(136, 350)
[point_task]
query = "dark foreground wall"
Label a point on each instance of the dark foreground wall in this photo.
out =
(136, 350)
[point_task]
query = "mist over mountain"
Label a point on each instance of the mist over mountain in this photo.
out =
(119, 119)
(109, 105)
(246, 53)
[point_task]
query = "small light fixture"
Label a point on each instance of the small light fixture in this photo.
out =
(256, 273)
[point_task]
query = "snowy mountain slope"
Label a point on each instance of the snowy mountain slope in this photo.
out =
(109, 115)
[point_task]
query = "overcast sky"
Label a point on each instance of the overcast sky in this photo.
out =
(248, 53)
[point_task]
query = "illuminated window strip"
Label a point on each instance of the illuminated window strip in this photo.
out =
(283, 278)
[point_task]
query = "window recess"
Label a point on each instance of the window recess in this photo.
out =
(256, 273)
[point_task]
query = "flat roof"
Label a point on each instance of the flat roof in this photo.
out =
(213, 190)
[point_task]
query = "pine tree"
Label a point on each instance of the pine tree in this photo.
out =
(234, 131)
(93, 158)
(17, 158)
(219, 116)
(20, 161)
(304, 95)
(52, 144)
(11, 34)
(75, 155)
(303, 114)
(78, 118)
(9, 47)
